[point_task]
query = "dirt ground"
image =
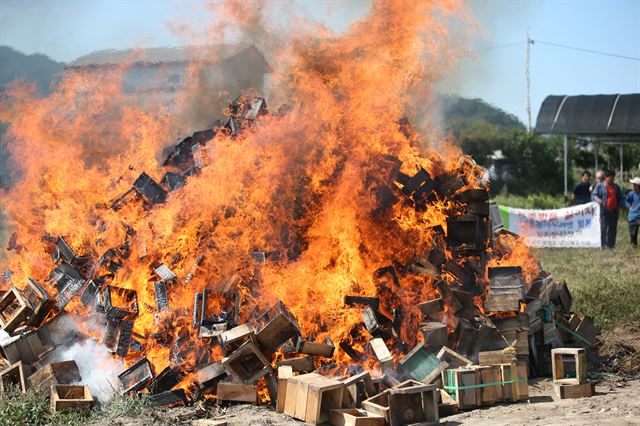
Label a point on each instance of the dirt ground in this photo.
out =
(616, 402)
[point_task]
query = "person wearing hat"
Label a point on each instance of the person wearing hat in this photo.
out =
(632, 201)
(610, 198)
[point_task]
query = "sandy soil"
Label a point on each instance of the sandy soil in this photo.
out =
(615, 403)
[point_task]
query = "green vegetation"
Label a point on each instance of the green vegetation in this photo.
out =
(532, 201)
(519, 162)
(604, 283)
(33, 408)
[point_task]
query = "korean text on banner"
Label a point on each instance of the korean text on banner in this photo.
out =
(576, 226)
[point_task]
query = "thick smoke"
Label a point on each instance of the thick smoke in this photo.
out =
(98, 368)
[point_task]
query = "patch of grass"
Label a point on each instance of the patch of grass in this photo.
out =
(123, 406)
(31, 408)
(34, 408)
(531, 201)
(604, 283)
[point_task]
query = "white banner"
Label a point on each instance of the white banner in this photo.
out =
(576, 226)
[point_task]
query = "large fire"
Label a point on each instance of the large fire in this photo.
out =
(306, 186)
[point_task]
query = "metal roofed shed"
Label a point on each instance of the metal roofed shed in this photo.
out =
(599, 119)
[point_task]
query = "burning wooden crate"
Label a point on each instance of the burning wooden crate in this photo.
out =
(279, 325)
(247, 364)
(136, 377)
(15, 310)
(70, 397)
(506, 289)
(120, 303)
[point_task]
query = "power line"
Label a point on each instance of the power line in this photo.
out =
(580, 49)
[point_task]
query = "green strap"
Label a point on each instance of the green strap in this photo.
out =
(573, 333)
(484, 385)
(547, 313)
(451, 389)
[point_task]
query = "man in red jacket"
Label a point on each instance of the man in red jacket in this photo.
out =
(611, 200)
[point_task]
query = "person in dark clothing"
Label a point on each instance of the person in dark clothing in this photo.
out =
(609, 197)
(632, 201)
(582, 191)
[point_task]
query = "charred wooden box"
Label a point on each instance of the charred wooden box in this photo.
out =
(506, 289)
(247, 364)
(136, 377)
(278, 326)
(120, 302)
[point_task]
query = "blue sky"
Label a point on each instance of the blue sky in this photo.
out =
(67, 29)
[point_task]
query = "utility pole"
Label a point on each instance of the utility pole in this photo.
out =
(527, 78)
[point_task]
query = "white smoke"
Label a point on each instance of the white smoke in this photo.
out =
(98, 368)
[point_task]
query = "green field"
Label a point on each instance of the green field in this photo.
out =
(604, 283)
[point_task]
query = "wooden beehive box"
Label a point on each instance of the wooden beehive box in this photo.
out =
(354, 417)
(14, 375)
(416, 404)
(564, 391)
(55, 373)
(247, 364)
(70, 397)
(578, 356)
(514, 378)
(323, 395)
(379, 404)
(237, 392)
(292, 392)
(489, 375)
(461, 383)
(15, 310)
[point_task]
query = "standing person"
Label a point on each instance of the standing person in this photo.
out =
(599, 180)
(633, 204)
(609, 197)
(582, 191)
